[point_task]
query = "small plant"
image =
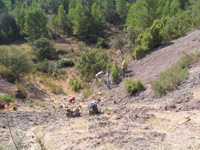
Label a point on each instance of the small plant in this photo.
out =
(64, 63)
(35, 103)
(133, 86)
(22, 89)
(87, 92)
(75, 84)
(115, 72)
(101, 43)
(7, 98)
(106, 111)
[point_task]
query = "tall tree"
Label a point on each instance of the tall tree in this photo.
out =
(53, 26)
(36, 25)
(98, 18)
(80, 22)
(109, 10)
(8, 27)
(142, 14)
(62, 18)
(122, 9)
(20, 13)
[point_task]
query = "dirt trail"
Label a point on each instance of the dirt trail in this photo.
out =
(139, 122)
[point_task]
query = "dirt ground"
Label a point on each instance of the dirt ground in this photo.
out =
(141, 122)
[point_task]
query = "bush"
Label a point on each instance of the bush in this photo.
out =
(64, 63)
(119, 43)
(43, 48)
(149, 39)
(101, 43)
(16, 60)
(74, 83)
(7, 98)
(140, 51)
(115, 72)
(46, 67)
(171, 78)
(133, 86)
(91, 63)
(22, 89)
(7, 74)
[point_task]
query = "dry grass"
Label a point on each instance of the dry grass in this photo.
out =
(19, 44)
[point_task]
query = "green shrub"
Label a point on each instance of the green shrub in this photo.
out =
(43, 48)
(22, 89)
(133, 86)
(46, 67)
(119, 43)
(35, 103)
(91, 63)
(101, 43)
(64, 63)
(7, 74)
(171, 78)
(149, 39)
(115, 72)
(74, 83)
(140, 51)
(16, 60)
(7, 98)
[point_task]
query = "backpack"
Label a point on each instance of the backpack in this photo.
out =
(93, 109)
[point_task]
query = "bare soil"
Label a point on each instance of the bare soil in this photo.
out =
(127, 122)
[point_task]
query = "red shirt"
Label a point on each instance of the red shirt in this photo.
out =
(71, 99)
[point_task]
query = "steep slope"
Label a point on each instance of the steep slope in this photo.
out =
(138, 122)
(157, 61)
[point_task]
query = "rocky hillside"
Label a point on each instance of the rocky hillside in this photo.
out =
(127, 122)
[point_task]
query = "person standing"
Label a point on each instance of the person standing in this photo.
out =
(123, 68)
(108, 79)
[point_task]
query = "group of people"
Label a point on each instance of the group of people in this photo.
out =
(109, 75)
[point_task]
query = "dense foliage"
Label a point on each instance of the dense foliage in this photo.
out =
(88, 18)
(133, 87)
(145, 25)
(92, 62)
(44, 49)
(15, 61)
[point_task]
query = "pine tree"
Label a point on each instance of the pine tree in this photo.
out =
(79, 19)
(20, 13)
(53, 26)
(62, 18)
(175, 7)
(142, 14)
(36, 25)
(98, 18)
(122, 9)
(109, 10)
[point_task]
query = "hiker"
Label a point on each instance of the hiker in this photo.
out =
(72, 100)
(108, 79)
(98, 75)
(123, 68)
(93, 110)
